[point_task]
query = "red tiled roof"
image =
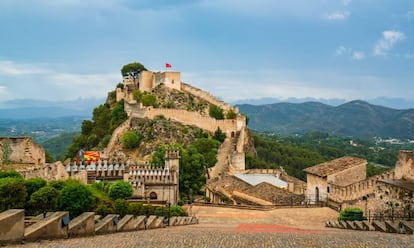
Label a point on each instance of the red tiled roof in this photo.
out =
(334, 166)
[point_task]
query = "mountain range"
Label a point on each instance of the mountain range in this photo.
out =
(352, 119)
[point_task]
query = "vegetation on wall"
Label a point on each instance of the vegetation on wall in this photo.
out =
(7, 151)
(216, 112)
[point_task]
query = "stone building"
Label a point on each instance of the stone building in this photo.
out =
(21, 150)
(342, 182)
(339, 172)
(151, 184)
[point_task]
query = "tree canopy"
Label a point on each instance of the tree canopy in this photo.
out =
(132, 68)
(76, 198)
(120, 190)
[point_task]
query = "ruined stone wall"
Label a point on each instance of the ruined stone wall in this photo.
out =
(23, 151)
(208, 97)
(349, 176)
(404, 168)
(49, 172)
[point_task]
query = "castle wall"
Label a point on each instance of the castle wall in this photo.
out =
(194, 118)
(208, 97)
(357, 190)
(23, 151)
(349, 176)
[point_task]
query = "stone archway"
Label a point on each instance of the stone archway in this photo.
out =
(153, 196)
(233, 134)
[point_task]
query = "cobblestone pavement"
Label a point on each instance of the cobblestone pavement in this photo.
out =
(244, 228)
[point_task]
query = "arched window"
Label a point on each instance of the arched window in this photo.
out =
(153, 196)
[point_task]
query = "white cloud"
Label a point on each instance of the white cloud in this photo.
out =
(358, 55)
(387, 42)
(346, 2)
(9, 68)
(337, 16)
(342, 50)
(44, 81)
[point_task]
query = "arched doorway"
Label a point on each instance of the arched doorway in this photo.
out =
(317, 194)
(233, 134)
(153, 196)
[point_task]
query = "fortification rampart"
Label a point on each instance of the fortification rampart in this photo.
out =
(116, 136)
(49, 172)
(207, 97)
(357, 190)
(230, 127)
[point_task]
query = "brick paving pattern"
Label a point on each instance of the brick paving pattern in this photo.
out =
(221, 227)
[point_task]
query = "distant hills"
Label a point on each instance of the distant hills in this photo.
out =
(396, 103)
(31, 108)
(352, 119)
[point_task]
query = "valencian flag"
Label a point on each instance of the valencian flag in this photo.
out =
(167, 65)
(91, 155)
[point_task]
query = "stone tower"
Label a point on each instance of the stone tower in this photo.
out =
(172, 160)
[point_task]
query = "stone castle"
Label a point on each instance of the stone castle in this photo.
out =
(342, 181)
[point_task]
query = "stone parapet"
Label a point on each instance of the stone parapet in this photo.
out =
(11, 226)
(52, 227)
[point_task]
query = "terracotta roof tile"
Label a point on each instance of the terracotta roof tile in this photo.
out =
(334, 166)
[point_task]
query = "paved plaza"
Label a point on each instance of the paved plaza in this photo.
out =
(227, 227)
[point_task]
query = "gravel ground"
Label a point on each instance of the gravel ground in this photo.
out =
(243, 228)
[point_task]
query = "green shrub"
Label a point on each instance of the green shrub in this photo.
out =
(33, 185)
(135, 208)
(149, 100)
(12, 193)
(44, 200)
(120, 190)
(57, 184)
(130, 140)
(351, 214)
(121, 207)
(231, 114)
(216, 112)
(10, 173)
(76, 198)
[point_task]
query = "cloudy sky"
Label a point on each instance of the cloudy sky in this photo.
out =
(236, 49)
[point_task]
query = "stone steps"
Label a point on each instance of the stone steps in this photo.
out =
(400, 227)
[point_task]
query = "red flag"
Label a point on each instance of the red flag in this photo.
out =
(167, 65)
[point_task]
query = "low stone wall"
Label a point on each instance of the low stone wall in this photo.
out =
(58, 225)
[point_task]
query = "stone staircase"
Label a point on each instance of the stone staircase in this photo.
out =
(221, 168)
(398, 227)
